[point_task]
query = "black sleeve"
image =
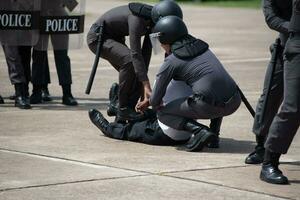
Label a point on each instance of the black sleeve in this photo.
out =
(147, 50)
(272, 17)
(136, 29)
(163, 78)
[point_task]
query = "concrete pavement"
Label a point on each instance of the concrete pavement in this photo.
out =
(54, 152)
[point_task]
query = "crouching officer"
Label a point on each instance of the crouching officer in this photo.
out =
(277, 16)
(133, 20)
(287, 121)
(214, 95)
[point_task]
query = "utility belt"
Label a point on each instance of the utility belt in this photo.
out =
(213, 102)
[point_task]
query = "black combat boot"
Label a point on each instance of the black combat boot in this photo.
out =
(45, 93)
(270, 172)
(1, 100)
(36, 96)
(99, 121)
(68, 98)
(201, 136)
(21, 100)
(113, 100)
(215, 126)
(257, 156)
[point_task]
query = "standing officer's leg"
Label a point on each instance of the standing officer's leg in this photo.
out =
(39, 58)
(119, 56)
(63, 67)
(261, 129)
(17, 75)
(285, 124)
(25, 53)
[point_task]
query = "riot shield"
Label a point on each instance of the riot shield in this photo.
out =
(61, 24)
(19, 22)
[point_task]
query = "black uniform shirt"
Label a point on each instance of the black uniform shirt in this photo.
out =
(204, 73)
(277, 15)
(295, 21)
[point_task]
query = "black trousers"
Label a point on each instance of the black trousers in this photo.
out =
(18, 62)
(274, 99)
(40, 70)
(118, 55)
(287, 120)
(175, 113)
(147, 131)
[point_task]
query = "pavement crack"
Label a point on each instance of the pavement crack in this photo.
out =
(226, 186)
(71, 161)
(205, 169)
(71, 182)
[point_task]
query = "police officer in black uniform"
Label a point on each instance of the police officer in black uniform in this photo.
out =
(133, 20)
(287, 121)
(277, 15)
(18, 62)
(215, 93)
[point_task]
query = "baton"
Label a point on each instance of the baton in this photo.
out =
(246, 102)
(269, 86)
(99, 32)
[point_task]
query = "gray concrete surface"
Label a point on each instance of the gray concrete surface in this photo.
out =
(54, 152)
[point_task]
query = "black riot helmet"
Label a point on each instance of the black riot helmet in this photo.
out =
(169, 29)
(165, 8)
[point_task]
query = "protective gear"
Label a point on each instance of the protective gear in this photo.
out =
(188, 47)
(170, 29)
(19, 22)
(156, 45)
(141, 10)
(165, 8)
(63, 22)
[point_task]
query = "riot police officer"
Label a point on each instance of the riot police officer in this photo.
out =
(133, 20)
(215, 93)
(277, 15)
(287, 121)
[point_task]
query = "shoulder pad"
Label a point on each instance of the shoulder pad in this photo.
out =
(141, 10)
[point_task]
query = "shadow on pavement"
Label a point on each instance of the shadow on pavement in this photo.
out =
(229, 145)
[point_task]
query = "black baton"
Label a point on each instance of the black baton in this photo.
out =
(246, 102)
(273, 66)
(99, 32)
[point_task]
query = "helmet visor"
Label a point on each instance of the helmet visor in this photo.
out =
(156, 45)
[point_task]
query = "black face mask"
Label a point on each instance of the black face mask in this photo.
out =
(188, 47)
